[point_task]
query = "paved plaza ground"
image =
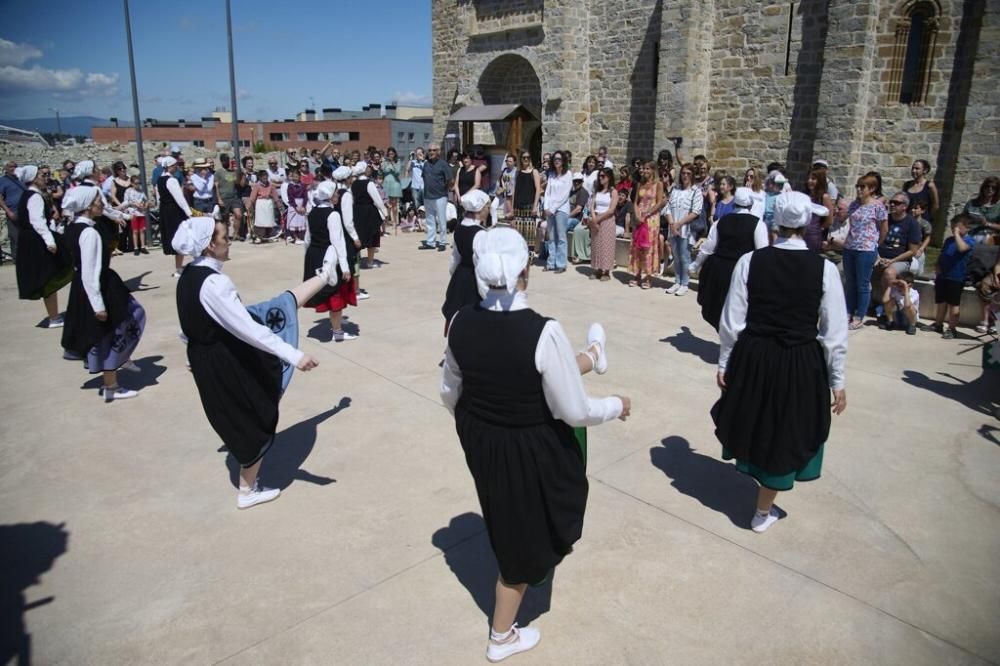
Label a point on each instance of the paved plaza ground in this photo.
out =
(122, 543)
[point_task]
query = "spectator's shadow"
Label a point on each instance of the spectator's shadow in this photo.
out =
(467, 552)
(322, 332)
(688, 343)
(291, 448)
(135, 284)
(584, 269)
(148, 375)
(989, 433)
(717, 485)
(980, 394)
(29, 550)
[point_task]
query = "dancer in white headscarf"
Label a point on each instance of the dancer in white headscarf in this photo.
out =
(326, 230)
(174, 209)
(44, 265)
(513, 383)
(241, 358)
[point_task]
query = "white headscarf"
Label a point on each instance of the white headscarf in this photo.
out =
(500, 255)
(78, 199)
(342, 173)
(27, 173)
(474, 201)
(193, 236)
(83, 169)
(324, 192)
(359, 169)
(167, 162)
(794, 210)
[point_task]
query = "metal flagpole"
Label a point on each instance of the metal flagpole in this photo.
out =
(135, 103)
(232, 86)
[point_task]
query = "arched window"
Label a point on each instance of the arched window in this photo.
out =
(916, 38)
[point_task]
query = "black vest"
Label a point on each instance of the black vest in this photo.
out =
(197, 324)
(73, 232)
(169, 208)
(359, 190)
(23, 221)
(735, 235)
(464, 235)
(319, 234)
(496, 354)
(784, 290)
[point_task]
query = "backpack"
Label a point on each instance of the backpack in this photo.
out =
(981, 263)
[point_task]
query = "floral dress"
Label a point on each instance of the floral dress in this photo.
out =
(645, 233)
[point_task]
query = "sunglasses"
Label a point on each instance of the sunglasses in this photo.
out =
(897, 203)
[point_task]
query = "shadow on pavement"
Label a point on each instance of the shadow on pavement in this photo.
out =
(29, 550)
(466, 548)
(980, 394)
(292, 446)
(148, 375)
(135, 284)
(322, 332)
(688, 343)
(717, 485)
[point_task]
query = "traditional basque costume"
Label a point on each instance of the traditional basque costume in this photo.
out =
(40, 273)
(774, 416)
(106, 345)
(241, 358)
(513, 384)
(369, 211)
(174, 209)
(729, 239)
(462, 288)
(326, 229)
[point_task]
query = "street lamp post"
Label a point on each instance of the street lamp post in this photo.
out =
(232, 85)
(58, 123)
(135, 107)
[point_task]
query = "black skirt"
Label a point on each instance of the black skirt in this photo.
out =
(240, 387)
(313, 262)
(532, 488)
(168, 227)
(462, 290)
(775, 412)
(713, 287)
(82, 330)
(41, 273)
(368, 224)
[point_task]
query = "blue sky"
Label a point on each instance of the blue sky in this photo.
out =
(335, 53)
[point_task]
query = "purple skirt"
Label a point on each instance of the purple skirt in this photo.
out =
(115, 348)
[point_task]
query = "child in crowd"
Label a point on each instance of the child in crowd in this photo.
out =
(901, 303)
(409, 221)
(918, 210)
(950, 280)
(135, 205)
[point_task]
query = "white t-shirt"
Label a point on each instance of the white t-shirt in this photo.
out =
(897, 296)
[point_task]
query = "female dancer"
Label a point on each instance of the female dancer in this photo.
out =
(43, 265)
(513, 383)
(174, 209)
(644, 255)
(369, 210)
(462, 289)
(236, 360)
(326, 230)
(602, 226)
(776, 366)
(103, 322)
(729, 239)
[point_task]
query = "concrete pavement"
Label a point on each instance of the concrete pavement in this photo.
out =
(126, 546)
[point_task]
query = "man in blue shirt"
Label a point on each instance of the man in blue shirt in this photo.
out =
(11, 190)
(437, 177)
(899, 245)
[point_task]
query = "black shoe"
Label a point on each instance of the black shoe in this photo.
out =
(425, 246)
(911, 330)
(136, 253)
(143, 250)
(883, 323)
(442, 247)
(560, 270)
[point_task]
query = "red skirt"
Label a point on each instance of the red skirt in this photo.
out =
(345, 294)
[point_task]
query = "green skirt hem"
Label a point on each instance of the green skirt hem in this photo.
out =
(809, 472)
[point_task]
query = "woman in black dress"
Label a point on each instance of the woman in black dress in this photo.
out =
(467, 177)
(776, 366)
(369, 210)
(326, 230)
(174, 209)
(462, 288)
(730, 238)
(103, 322)
(240, 365)
(513, 383)
(44, 265)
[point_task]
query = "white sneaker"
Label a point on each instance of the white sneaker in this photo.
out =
(680, 292)
(299, 241)
(130, 366)
(58, 322)
(117, 393)
(363, 295)
(340, 336)
(761, 522)
(673, 290)
(524, 639)
(176, 274)
(329, 270)
(256, 495)
(596, 335)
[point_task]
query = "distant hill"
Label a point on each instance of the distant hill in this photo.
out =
(73, 125)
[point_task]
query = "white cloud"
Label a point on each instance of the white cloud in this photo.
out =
(64, 81)
(17, 54)
(410, 97)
